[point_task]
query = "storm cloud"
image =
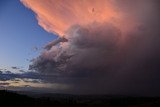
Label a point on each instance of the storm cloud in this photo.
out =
(121, 58)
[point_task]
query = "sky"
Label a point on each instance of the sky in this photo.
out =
(21, 40)
(19, 33)
(74, 46)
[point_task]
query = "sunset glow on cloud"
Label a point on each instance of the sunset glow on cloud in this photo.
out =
(57, 16)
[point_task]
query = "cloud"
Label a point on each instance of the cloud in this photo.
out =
(21, 70)
(9, 76)
(55, 42)
(60, 16)
(118, 54)
(4, 84)
(99, 59)
(14, 67)
(78, 48)
(8, 72)
(30, 81)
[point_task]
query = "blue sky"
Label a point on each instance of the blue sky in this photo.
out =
(19, 33)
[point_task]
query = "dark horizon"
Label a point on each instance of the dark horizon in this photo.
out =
(8, 98)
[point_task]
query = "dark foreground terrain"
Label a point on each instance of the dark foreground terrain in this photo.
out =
(8, 98)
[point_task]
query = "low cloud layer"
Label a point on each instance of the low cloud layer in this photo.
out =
(121, 58)
(30, 81)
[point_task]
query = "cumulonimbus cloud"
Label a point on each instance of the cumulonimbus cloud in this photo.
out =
(114, 48)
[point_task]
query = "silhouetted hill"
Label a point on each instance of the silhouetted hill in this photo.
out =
(47, 100)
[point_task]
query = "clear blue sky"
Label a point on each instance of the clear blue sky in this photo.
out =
(19, 33)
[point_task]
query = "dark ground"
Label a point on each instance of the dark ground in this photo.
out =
(8, 98)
